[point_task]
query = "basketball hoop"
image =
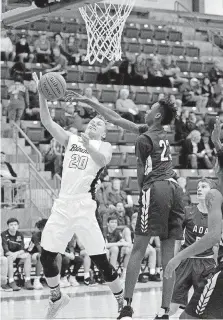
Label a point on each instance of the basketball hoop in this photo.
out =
(105, 23)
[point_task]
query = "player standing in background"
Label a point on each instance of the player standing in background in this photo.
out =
(192, 271)
(207, 300)
(74, 211)
(161, 210)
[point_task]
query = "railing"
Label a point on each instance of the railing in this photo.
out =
(36, 151)
(211, 34)
(42, 194)
(14, 193)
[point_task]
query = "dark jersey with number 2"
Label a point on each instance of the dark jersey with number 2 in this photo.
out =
(153, 149)
(196, 226)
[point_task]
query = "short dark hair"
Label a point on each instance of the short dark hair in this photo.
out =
(2, 152)
(41, 224)
(169, 111)
(113, 217)
(11, 220)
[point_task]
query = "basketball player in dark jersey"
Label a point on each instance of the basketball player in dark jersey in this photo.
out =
(207, 300)
(192, 271)
(161, 210)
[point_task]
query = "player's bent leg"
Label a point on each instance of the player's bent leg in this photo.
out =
(110, 276)
(86, 265)
(167, 253)
(151, 253)
(51, 271)
(114, 251)
(125, 254)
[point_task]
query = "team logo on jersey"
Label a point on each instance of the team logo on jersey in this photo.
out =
(206, 294)
(75, 147)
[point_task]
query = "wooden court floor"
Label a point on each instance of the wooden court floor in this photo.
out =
(86, 303)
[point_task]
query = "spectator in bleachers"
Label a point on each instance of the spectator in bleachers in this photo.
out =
(156, 76)
(35, 250)
(33, 112)
(86, 112)
(74, 57)
(53, 158)
(122, 218)
(214, 73)
(209, 148)
(58, 41)
(42, 49)
(19, 69)
(127, 108)
(8, 176)
(207, 89)
(72, 117)
(183, 126)
(116, 195)
(4, 270)
(102, 197)
(174, 73)
(19, 100)
(140, 74)
(70, 259)
(193, 153)
(7, 52)
(22, 49)
(114, 241)
(182, 181)
(217, 100)
(59, 63)
(109, 74)
(14, 250)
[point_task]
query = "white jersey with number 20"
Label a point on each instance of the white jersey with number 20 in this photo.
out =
(79, 169)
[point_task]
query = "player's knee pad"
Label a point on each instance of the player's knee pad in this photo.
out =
(102, 263)
(48, 260)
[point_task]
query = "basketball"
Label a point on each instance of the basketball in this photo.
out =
(52, 86)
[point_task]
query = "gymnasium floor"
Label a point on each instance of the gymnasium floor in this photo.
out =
(86, 303)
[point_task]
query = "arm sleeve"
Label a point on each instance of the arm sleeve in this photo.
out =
(5, 244)
(144, 147)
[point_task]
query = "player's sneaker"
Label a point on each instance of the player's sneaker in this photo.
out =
(143, 278)
(6, 287)
(164, 316)
(55, 307)
(126, 313)
(28, 285)
(89, 282)
(154, 277)
(64, 283)
(14, 286)
(37, 285)
(73, 281)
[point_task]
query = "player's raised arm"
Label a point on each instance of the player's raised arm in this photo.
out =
(214, 201)
(108, 114)
(55, 130)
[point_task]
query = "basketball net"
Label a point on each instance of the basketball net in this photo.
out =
(105, 23)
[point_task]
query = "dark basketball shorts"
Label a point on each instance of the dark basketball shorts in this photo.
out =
(207, 300)
(161, 211)
(191, 272)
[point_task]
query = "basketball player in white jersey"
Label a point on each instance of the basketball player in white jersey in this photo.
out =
(74, 210)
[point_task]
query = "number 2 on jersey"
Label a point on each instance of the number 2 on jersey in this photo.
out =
(165, 144)
(79, 162)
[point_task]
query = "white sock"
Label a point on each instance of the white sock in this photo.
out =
(27, 279)
(158, 269)
(37, 278)
(161, 312)
(11, 280)
(86, 275)
(152, 271)
(124, 271)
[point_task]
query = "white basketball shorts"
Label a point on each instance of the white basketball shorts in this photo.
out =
(69, 216)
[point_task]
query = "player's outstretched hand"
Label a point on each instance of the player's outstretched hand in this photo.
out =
(71, 96)
(217, 131)
(171, 267)
(36, 79)
(85, 139)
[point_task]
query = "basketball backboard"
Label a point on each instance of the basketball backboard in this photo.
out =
(24, 15)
